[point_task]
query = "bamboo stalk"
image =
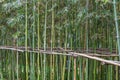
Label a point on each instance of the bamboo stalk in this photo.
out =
(52, 44)
(64, 62)
(17, 60)
(75, 68)
(45, 25)
(87, 45)
(26, 31)
(116, 72)
(96, 58)
(32, 67)
(38, 43)
(116, 24)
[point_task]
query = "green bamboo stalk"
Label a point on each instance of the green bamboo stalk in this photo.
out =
(117, 70)
(45, 25)
(9, 64)
(17, 53)
(32, 70)
(61, 62)
(13, 64)
(26, 31)
(57, 57)
(51, 67)
(1, 67)
(74, 68)
(64, 65)
(17, 65)
(87, 5)
(38, 35)
(69, 66)
(52, 44)
(56, 65)
(52, 31)
(80, 58)
(61, 66)
(95, 46)
(110, 46)
(117, 33)
(116, 24)
(81, 70)
(17, 58)
(59, 44)
(64, 57)
(69, 42)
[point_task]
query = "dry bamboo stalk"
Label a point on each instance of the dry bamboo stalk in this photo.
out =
(83, 55)
(96, 58)
(20, 49)
(69, 54)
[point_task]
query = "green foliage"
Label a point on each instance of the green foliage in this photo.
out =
(105, 1)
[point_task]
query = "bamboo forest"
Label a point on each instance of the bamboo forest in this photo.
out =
(59, 40)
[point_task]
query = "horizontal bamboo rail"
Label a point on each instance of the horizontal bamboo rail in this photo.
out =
(117, 63)
(61, 51)
(91, 52)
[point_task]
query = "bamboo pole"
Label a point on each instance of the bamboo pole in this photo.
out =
(26, 36)
(40, 50)
(87, 45)
(45, 25)
(116, 24)
(75, 68)
(52, 44)
(97, 58)
(38, 43)
(32, 60)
